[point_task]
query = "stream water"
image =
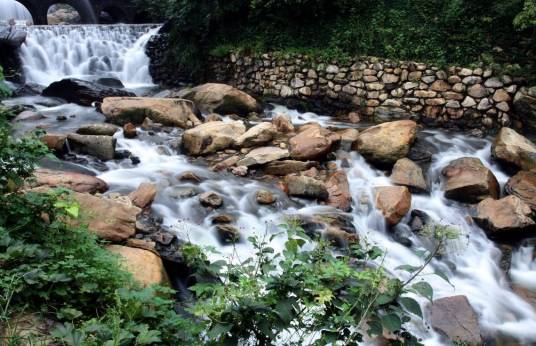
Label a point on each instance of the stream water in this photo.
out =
(471, 262)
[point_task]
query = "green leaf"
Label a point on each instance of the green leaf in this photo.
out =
(442, 275)
(411, 305)
(391, 322)
(375, 328)
(424, 289)
(218, 330)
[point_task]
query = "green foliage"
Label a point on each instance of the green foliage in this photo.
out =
(4, 90)
(439, 31)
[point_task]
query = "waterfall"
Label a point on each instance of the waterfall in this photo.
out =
(11, 9)
(89, 52)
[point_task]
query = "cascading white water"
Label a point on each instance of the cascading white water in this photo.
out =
(11, 9)
(52, 53)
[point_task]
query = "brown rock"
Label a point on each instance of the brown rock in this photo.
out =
(144, 195)
(388, 142)
(263, 155)
(222, 99)
(313, 143)
(169, 112)
(523, 185)
(211, 199)
(129, 131)
(102, 147)
(73, 181)
(109, 219)
(339, 191)
(348, 137)
(455, 318)
(98, 129)
(504, 217)
(283, 123)
(513, 148)
(307, 187)
(190, 176)
(228, 233)
(257, 135)
(394, 202)
(265, 197)
(468, 180)
(440, 85)
(55, 141)
(212, 137)
(145, 266)
(222, 218)
(285, 167)
(408, 173)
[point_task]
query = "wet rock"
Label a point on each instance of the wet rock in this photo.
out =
(61, 118)
(142, 244)
(468, 180)
(339, 191)
(240, 171)
(348, 137)
(213, 117)
(82, 92)
(110, 219)
(340, 238)
(73, 181)
(419, 219)
(182, 192)
(211, 199)
(228, 233)
(455, 318)
(263, 155)
(163, 238)
(283, 123)
(257, 135)
(512, 148)
(110, 82)
(55, 141)
(28, 116)
(222, 218)
(285, 167)
(190, 176)
(98, 129)
(508, 217)
(313, 143)
(147, 224)
(102, 147)
(525, 106)
(408, 173)
(523, 185)
(144, 195)
(212, 137)
(394, 202)
(387, 143)
(168, 112)
(145, 266)
(265, 197)
(129, 131)
(221, 99)
(302, 186)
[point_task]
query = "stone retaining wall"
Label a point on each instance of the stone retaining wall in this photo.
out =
(376, 88)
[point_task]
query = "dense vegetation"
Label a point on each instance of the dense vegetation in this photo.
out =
(439, 31)
(306, 294)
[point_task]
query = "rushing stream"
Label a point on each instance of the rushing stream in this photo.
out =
(471, 262)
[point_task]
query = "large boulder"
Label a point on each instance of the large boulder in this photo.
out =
(169, 112)
(257, 135)
(307, 187)
(102, 147)
(525, 106)
(222, 99)
(109, 219)
(504, 218)
(315, 142)
(455, 318)
(73, 181)
(408, 173)
(523, 185)
(394, 202)
(283, 123)
(468, 180)
(339, 191)
(145, 266)
(263, 155)
(512, 148)
(387, 143)
(82, 92)
(212, 136)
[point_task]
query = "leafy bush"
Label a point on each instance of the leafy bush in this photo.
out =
(4, 90)
(439, 31)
